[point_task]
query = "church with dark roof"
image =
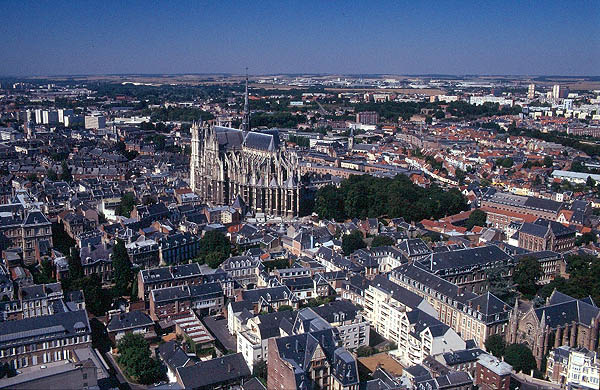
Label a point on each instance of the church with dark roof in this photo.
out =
(562, 321)
(249, 168)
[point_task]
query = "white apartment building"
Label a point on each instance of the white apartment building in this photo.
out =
(95, 122)
(480, 100)
(421, 335)
(63, 112)
(583, 369)
(49, 117)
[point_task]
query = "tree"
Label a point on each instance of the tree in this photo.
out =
(61, 240)
(527, 272)
(548, 161)
(495, 345)
(505, 162)
(382, 240)
(365, 350)
(65, 174)
(352, 242)
(214, 249)
(476, 218)
(519, 356)
(51, 175)
(500, 284)
(585, 238)
(126, 206)
(32, 177)
(365, 196)
(285, 308)
(460, 175)
(100, 339)
(135, 357)
(75, 267)
(123, 276)
(260, 370)
(591, 183)
(97, 300)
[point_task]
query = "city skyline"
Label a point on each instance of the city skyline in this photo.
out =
(63, 38)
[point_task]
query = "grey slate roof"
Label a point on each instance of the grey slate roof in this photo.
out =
(130, 320)
(59, 325)
(211, 373)
(399, 293)
(466, 258)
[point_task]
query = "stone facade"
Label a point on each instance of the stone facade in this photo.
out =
(228, 163)
(562, 321)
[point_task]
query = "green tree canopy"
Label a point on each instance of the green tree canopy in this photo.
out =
(352, 242)
(65, 174)
(527, 272)
(382, 240)
(135, 357)
(519, 356)
(495, 345)
(215, 248)
(476, 218)
(128, 202)
(366, 196)
(123, 275)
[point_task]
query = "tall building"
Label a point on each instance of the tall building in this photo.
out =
(244, 166)
(63, 112)
(531, 91)
(95, 122)
(367, 118)
(559, 92)
(49, 117)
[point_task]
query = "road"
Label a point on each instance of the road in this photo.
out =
(322, 109)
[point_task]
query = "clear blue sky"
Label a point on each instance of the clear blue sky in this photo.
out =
(401, 37)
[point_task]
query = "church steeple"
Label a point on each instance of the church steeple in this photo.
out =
(246, 118)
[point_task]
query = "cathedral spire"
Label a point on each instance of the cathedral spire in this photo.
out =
(246, 118)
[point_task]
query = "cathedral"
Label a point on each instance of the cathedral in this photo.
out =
(249, 168)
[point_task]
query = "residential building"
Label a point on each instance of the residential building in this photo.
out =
(310, 361)
(25, 228)
(472, 316)
(95, 122)
(220, 373)
(37, 300)
(178, 248)
(492, 374)
(367, 117)
(169, 303)
(162, 277)
(68, 376)
(575, 368)
(243, 269)
(468, 268)
(45, 339)
(135, 322)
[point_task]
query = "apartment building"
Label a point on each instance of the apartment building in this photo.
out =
(574, 367)
(169, 303)
(311, 360)
(162, 277)
(492, 374)
(45, 339)
(472, 316)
